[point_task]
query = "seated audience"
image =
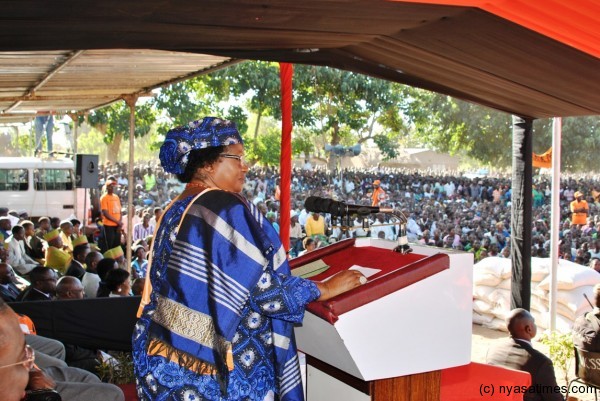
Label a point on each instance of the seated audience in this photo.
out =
(17, 257)
(117, 284)
(19, 371)
(586, 329)
(91, 279)
(137, 288)
(77, 356)
(43, 285)
(140, 263)
(76, 268)
(104, 266)
(8, 289)
(517, 353)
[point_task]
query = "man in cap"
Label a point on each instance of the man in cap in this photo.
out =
(66, 230)
(43, 226)
(378, 195)
(5, 226)
(112, 223)
(56, 257)
(579, 210)
(118, 255)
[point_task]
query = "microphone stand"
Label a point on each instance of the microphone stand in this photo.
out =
(403, 246)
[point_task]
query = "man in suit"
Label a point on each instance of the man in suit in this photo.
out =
(76, 268)
(17, 257)
(8, 290)
(43, 285)
(19, 371)
(586, 329)
(517, 353)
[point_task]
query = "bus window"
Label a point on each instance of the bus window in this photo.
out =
(53, 179)
(14, 180)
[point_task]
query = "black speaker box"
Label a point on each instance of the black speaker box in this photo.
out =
(86, 171)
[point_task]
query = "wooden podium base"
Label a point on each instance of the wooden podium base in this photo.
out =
(417, 387)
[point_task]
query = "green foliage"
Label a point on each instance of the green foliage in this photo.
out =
(186, 101)
(113, 120)
(21, 142)
(119, 373)
(92, 142)
(560, 346)
(332, 106)
(268, 148)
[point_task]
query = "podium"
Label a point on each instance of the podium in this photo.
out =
(390, 338)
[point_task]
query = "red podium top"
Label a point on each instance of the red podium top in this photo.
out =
(397, 271)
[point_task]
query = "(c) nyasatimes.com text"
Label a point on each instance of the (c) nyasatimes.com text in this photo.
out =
(491, 389)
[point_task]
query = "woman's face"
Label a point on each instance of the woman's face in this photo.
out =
(228, 173)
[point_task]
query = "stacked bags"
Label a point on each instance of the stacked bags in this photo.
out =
(491, 292)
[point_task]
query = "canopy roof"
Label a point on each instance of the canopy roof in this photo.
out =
(63, 81)
(534, 58)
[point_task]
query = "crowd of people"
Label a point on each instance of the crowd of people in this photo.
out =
(53, 258)
(469, 214)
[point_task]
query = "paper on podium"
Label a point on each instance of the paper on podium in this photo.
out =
(311, 269)
(366, 271)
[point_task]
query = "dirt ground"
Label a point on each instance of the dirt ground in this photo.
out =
(483, 338)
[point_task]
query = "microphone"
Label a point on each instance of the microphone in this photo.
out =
(335, 208)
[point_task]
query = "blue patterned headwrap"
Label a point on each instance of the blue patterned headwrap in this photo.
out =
(206, 133)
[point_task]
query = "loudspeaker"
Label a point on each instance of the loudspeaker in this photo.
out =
(86, 171)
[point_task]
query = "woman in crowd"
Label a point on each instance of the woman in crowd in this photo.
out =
(220, 303)
(116, 284)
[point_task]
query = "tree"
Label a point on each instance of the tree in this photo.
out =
(113, 122)
(259, 81)
(351, 108)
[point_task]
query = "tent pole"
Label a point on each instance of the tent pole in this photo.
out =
(130, 100)
(521, 201)
(555, 216)
(286, 72)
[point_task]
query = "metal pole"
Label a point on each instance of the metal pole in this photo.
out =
(130, 100)
(75, 125)
(555, 216)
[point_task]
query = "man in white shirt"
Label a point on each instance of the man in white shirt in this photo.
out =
(143, 229)
(381, 226)
(17, 257)
(91, 279)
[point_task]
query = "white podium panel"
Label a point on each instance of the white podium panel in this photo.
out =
(422, 327)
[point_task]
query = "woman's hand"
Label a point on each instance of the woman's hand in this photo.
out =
(341, 282)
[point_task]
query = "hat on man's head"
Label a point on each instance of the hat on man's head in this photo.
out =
(112, 182)
(578, 194)
(57, 259)
(50, 235)
(114, 253)
(82, 239)
(206, 133)
(377, 182)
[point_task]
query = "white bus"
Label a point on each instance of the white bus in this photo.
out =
(41, 187)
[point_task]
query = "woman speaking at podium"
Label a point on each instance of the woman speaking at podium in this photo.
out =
(219, 306)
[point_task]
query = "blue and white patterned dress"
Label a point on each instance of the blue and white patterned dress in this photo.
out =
(222, 309)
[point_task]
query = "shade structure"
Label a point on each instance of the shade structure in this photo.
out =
(533, 58)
